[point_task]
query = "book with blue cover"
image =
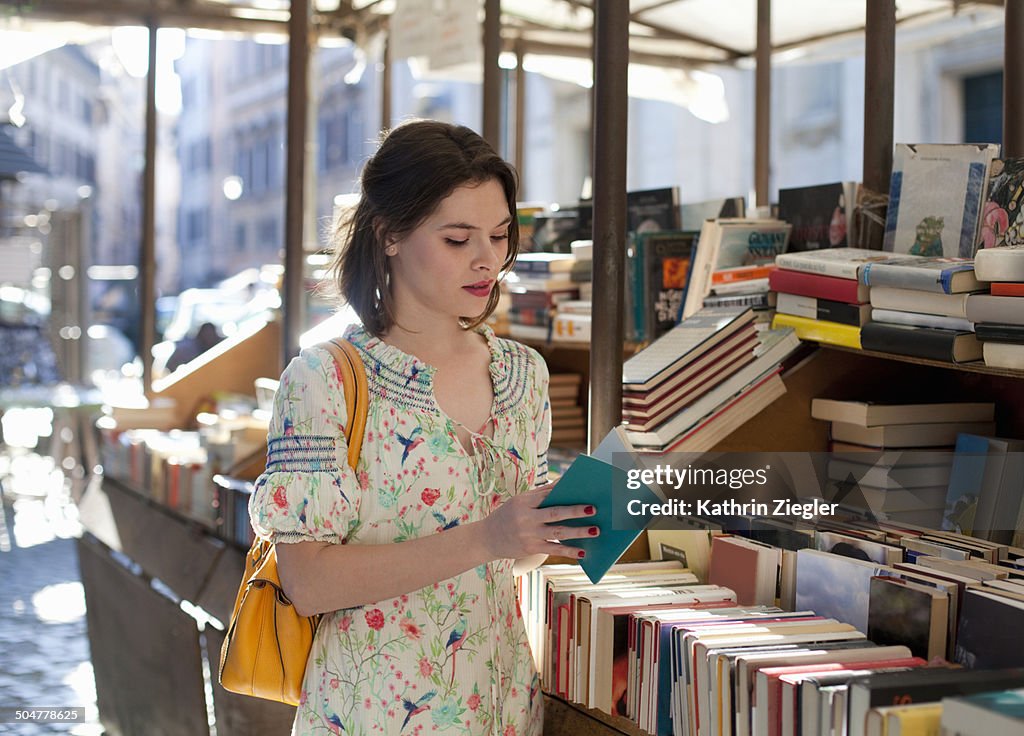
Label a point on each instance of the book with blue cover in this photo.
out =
(603, 484)
(938, 274)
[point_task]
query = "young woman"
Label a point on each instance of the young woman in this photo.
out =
(411, 558)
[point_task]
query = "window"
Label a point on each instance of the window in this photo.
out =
(240, 236)
(267, 234)
(983, 108)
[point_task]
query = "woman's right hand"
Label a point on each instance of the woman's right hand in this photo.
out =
(518, 528)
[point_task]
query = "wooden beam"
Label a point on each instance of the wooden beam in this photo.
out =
(879, 90)
(763, 104)
(147, 258)
(492, 107)
(1013, 81)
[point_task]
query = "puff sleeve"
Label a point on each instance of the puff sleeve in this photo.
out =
(308, 491)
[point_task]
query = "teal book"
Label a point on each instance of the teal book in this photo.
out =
(605, 486)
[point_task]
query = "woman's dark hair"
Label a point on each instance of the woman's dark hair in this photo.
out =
(417, 165)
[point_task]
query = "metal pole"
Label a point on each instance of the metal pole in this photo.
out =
(1013, 81)
(611, 98)
(385, 85)
(520, 140)
(492, 74)
(879, 76)
(295, 151)
(147, 258)
(763, 103)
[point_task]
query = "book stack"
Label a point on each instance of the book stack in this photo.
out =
(536, 284)
(732, 262)
(582, 271)
(820, 294)
(859, 426)
(999, 315)
(568, 420)
(919, 308)
(695, 385)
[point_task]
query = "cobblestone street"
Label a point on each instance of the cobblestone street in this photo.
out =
(44, 648)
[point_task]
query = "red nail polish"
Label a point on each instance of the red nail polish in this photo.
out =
(592, 531)
(589, 510)
(581, 554)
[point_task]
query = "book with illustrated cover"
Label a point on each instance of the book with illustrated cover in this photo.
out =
(660, 273)
(983, 714)
(936, 194)
(649, 210)
(940, 274)
(821, 215)
(1002, 219)
(904, 612)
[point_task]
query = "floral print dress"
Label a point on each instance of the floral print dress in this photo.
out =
(452, 657)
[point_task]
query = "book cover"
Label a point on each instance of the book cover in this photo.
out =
(819, 214)
(730, 243)
(830, 333)
(1007, 288)
(661, 271)
(940, 274)
(996, 712)
(1003, 355)
(837, 586)
(842, 263)
(750, 569)
(921, 342)
(1002, 217)
(1007, 310)
(592, 481)
(819, 286)
(993, 332)
(903, 612)
(652, 209)
(935, 198)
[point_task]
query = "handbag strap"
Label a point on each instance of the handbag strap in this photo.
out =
(357, 394)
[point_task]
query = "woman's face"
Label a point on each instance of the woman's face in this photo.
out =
(447, 267)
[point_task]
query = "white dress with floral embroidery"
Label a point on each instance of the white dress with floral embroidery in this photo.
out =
(449, 658)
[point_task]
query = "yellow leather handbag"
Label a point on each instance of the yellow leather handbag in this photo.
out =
(268, 642)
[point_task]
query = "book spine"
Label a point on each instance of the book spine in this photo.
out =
(830, 333)
(822, 287)
(741, 273)
(808, 263)
(917, 342)
(822, 309)
(895, 317)
(1008, 288)
(908, 277)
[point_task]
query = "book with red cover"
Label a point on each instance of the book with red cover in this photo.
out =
(1007, 288)
(821, 287)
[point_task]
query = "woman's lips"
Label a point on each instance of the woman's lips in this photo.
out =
(482, 289)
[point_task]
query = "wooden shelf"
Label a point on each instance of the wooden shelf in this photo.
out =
(975, 366)
(564, 718)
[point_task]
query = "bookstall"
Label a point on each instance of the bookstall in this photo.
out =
(146, 560)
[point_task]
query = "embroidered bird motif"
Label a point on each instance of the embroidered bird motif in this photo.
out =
(416, 708)
(289, 427)
(333, 720)
(410, 443)
(455, 641)
(444, 522)
(414, 374)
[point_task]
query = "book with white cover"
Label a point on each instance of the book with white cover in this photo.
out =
(1004, 263)
(871, 414)
(916, 319)
(843, 263)
(1003, 355)
(935, 196)
(908, 435)
(1006, 310)
(926, 302)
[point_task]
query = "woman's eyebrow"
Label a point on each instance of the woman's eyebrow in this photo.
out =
(467, 226)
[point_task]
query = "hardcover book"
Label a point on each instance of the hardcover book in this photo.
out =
(1005, 263)
(693, 214)
(921, 342)
(935, 198)
(660, 270)
(944, 275)
(652, 209)
(842, 263)
(870, 414)
(1002, 219)
(823, 309)
(816, 285)
(821, 215)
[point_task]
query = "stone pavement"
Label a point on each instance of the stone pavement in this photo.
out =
(44, 648)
